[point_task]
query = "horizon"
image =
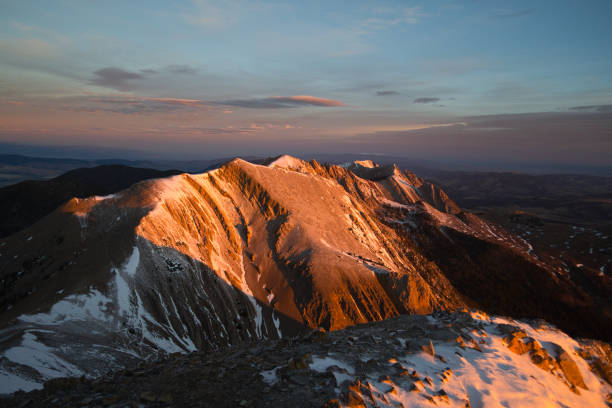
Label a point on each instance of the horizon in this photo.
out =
(416, 165)
(514, 86)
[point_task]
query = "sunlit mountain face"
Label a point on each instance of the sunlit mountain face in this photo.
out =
(318, 204)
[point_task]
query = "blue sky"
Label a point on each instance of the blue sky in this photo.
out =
(239, 77)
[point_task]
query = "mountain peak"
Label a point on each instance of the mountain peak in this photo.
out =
(366, 163)
(288, 162)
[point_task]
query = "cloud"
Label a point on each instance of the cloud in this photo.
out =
(386, 93)
(513, 14)
(308, 100)
(28, 47)
(13, 103)
(221, 14)
(280, 102)
(593, 108)
(566, 138)
(181, 69)
(213, 14)
(116, 78)
(426, 100)
(133, 105)
(390, 16)
(123, 80)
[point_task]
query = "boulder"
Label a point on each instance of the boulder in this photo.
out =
(570, 369)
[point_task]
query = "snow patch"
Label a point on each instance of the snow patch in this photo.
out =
(321, 364)
(270, 377)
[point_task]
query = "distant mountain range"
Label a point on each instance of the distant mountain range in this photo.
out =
(16, 168)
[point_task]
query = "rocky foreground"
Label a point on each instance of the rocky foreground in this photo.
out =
(463, 359)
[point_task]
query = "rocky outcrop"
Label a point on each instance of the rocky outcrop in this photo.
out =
(559, 362)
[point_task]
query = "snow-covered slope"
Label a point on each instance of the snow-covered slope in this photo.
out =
(462, 359)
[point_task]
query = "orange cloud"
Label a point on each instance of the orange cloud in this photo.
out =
(309, 100)
(281, 102)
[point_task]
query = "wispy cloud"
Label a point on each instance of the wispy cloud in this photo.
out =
(116, 78)
(386, 93)
(426, 100)
(213, 14)
(12, 103)
(219, 14)
(123, 80)
(593, 108)
(181, 69)
(388, 17)
(28, 47)
(280, 102)
(132, 104)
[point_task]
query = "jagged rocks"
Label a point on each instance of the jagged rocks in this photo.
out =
(518, 342)
(570, 369)
(599, 356)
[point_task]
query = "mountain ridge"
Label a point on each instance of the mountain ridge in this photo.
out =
(242, 252)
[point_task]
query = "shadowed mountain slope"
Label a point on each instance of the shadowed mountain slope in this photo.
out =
(24, 203)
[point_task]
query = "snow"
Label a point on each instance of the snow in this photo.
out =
(365, 163)
(502, 379)
(122, 304)
(342, 377)
(395, 204)
(132, 263)
(287, 162)
(404, 182)
(321, 364)
(270, 377)
(106, 197)
(496, 377)
(34, 354)
(276, 322)
(94, 305)
(11, 383)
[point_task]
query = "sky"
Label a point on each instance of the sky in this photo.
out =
(445, 80)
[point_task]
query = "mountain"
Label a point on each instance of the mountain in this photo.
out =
(24, 203)
(17, 168)
(463, 359)
(252, 251)
(562, 198)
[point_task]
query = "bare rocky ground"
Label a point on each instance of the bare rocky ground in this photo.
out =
(464, 359)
